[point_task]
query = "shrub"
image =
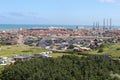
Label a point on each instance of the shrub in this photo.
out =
(104, 45)
(63, 68)
(118, 49)
(100, 50)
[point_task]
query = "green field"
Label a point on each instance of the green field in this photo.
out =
(9, 51)
(111, 49)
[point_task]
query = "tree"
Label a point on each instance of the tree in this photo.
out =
(63, 68)
(100, 50)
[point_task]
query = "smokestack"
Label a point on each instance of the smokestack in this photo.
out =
(98, 25)
(107, 24)
(110, 24)
(93, 25)
(103, 24)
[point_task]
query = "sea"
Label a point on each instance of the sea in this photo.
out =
(9, 27)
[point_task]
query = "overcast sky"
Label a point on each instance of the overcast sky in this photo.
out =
(82, 12)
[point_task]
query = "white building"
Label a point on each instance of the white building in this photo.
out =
(79, 28)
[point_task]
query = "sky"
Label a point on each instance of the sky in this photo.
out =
(60, 12)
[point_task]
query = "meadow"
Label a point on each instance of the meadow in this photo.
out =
(110, 49)
(9, 51)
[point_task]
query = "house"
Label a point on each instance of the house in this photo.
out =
(4, 61)
(22, 57)
(81, 49)
(85, 48)
(42, 54)
(45, 54)
(77, 49)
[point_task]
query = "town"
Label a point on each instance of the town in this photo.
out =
(59, 40)
(53, 39)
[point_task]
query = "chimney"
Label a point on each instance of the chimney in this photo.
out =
(107, 24)
(110, 24)
(103, 24)
(98, 25)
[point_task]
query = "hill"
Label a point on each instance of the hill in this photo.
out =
(64, 68)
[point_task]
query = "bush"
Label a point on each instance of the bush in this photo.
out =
(100, 50)
(118, 49)
(104, 45)
(63, 68)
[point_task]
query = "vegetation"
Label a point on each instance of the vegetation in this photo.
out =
(109, 49)
(118, 49)
(55, 55)
(105, 45)
(64, 68)
(100, 50)
(11, 50)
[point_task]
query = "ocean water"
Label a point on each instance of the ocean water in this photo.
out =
(8, 27)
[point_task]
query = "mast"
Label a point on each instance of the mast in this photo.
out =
(103, 24)
(110, 24)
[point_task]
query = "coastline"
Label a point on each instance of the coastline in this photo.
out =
(14, 27)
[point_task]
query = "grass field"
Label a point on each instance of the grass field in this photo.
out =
(9, 51)
(112, 50)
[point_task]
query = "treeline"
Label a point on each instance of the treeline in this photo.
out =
(63, 68)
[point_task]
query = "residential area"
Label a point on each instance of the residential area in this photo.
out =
(60, 40)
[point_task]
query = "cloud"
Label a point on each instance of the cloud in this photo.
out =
(33, 13)
(19, 17)
(118, 4)
(107, 1)
(2, 16)
(16, 14)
